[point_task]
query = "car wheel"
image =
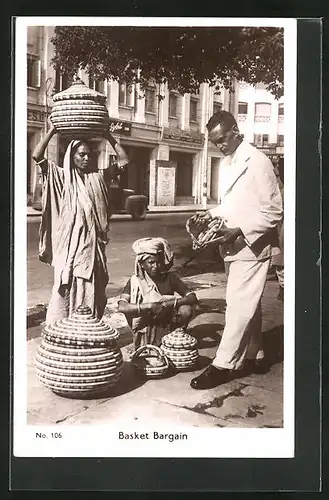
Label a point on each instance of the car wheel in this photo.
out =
(138, 212)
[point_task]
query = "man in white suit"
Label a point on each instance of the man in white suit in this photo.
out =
(251, 206)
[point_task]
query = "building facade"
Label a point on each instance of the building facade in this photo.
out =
(261, 118)
(163, 132)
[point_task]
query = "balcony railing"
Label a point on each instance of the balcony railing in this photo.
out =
(262, 119)
(242, 118)
(281, 119)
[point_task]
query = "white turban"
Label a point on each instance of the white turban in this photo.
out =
(144, 247)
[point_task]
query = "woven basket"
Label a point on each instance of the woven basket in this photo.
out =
(150, 361)
(203, 235)
(180, 348)
(79, 356)
(80, 112)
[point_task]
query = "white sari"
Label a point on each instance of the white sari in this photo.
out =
(73, 235)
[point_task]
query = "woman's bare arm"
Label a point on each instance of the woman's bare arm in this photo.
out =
(121, 154)
(39, 151)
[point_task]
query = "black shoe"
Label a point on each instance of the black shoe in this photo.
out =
(210, 378)
(258, 366)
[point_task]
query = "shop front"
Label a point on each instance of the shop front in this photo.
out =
(36, 120)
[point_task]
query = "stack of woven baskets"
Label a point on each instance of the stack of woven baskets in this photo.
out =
(80, 112)
(79, 356)
(180, 348)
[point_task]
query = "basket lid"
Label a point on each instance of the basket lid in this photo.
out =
(81, 326)
(79, 90)
(179, 338)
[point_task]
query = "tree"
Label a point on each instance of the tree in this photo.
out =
(182, 57)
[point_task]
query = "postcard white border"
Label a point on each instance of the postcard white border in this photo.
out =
(99, 440)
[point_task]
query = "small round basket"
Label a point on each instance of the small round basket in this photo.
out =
(150, 361)
(180, 348)
(205, 234)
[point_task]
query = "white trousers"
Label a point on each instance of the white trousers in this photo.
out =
(242, 335)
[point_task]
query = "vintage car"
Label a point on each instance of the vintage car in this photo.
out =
(126, 201)
(122, 201)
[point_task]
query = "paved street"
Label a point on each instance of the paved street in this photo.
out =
(250, 401)
(120, 256)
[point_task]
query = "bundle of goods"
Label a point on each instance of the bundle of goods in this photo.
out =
(79, 355)
(203, 233)
(180, 347)
(80, 112)
(150, 361)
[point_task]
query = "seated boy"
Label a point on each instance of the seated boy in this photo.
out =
(148, 299)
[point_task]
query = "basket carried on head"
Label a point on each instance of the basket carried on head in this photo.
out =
(150, 361)
(204, 234)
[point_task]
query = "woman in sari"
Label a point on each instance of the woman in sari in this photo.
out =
(148, 299)
(74, 225)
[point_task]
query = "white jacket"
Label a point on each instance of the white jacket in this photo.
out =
(250, 199)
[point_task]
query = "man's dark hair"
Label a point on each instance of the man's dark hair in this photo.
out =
(225, 118)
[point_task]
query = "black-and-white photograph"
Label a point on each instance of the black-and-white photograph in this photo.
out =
(150, 312)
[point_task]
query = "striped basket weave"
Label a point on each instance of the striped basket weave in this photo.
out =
(180, 347)
(150, 361)
(79, 357)
(80, 112)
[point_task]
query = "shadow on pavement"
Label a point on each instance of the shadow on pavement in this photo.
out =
(207, 335)
(211, 305)
(273, 344)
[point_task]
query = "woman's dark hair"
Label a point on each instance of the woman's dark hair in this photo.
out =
(224, 118)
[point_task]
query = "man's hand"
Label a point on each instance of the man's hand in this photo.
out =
(230, 235)
(201, 217)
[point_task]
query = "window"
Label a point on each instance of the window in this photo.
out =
(281, 109)
(172, 105)
(261, 140)
(62, 81)
(243, 108)
(262, 109)
(260, 86)
(33, 71)
(150, 100)
(126, 95)
(98, 85)
(193, 110)
(280, 140)
(217, 107)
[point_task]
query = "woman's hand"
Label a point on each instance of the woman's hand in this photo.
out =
(51, 126)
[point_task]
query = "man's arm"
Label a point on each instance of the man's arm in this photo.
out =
(270, 203)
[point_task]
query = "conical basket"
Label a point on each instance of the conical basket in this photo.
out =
(80, 112)
(79, 356)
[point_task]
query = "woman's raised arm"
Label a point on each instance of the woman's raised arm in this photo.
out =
(122, 155)
(39, 151)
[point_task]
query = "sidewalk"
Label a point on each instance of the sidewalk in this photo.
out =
(251, 401)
